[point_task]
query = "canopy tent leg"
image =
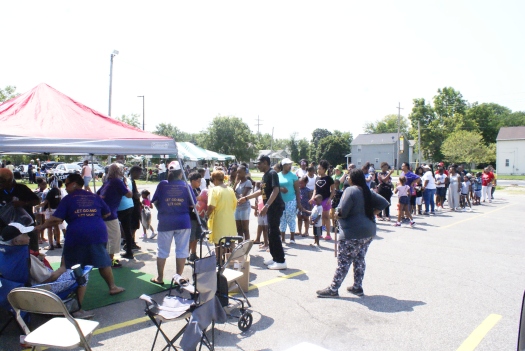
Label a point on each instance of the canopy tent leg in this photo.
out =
(93, 174)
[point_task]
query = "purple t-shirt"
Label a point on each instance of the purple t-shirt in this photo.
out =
(173, 203)
(111, 192)
(83, 213)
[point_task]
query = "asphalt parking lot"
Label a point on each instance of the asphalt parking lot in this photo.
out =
(426, 288)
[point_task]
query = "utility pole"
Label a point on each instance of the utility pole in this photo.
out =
(143, 118)
(113, 54)
(258, 124)
(271, 142)
(398, 131)
(419, 140)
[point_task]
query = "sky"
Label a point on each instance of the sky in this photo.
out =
(296, 65)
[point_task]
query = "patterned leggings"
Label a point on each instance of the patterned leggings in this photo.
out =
(289, 216)
(351, 251)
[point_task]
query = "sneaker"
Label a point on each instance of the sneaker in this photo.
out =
(292, 241)
(357, 292)
(433, 213)
(412, 223)
(328, 237)
(135, 247)
(128, 256)
(116, 264)
(83, 314)
(397, 224)
(327, 293)
(317, 248)
(192, 257)
(277, 266)
(269, 262)
(426, 213)
(153, 235)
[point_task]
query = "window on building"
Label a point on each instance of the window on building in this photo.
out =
(359, 162)
(358, 147)
(507, 162)
(377, 161)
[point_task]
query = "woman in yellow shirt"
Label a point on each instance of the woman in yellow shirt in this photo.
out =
(221, 207)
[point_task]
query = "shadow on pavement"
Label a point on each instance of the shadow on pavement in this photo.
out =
(385, 304)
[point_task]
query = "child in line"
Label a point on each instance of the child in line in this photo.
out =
(402, 192)
(477, 189)
(304, 216)
(262, 221)
(145, 214)
(335, 202)
(465, 190)
(317, 221)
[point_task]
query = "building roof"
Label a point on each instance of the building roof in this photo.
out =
(375, 139)
(511, 133)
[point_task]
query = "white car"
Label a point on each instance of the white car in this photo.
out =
(63, 170)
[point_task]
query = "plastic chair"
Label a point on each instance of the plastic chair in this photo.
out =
(65, 333)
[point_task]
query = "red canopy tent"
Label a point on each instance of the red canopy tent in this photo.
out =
(44, 120)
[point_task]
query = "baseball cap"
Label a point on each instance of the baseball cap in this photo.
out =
(286, 161)
(263, 158)
(339, 167)
(174, 166)
(13, 230)
(425, 167)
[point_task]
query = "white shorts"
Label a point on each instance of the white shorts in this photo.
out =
(49, 212)
(113, 245)
(182, 243)
(419, 200)
(262, 220)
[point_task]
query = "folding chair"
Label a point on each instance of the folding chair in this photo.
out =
(65, 333)
(226, 276)
(14, 273)
(199, 310)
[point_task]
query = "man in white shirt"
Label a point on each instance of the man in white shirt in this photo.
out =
(162, 171)
(206, 175)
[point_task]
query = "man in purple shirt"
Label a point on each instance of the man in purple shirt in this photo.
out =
(111, 192)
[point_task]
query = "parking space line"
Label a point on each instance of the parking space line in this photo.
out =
(479, 333)
(474, 217)
(275, 280)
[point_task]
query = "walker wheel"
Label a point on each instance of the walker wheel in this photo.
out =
(245, 321)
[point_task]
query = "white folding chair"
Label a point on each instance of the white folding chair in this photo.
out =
(64, 333)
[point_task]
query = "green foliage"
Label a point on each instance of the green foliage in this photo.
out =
(333, 148)
(303, 149)
(8, 93)
(132, 120)
(317, 135)
(387, 125)
(488, 117)
(230, 135)
(264, 142)
(467, 147)
(171, 131)
(294, 147)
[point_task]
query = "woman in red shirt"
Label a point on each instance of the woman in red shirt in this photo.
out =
(486, 184)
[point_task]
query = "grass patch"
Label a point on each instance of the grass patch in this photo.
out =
(511, 177)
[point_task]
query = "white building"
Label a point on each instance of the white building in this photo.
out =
(510, 151)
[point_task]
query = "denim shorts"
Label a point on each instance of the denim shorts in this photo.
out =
(262, 220)
(242, 214)
(442, 191)
(87, 180)
(94, 255)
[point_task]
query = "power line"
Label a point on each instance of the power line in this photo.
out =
(258, 124)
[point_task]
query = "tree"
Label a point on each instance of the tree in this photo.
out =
(8, 93)
(317, 135)
(303, 149)
(333, 148)
(230, 135)
(387, 125)
(171, 131)
(488, 118)
(132, 120)
(294, 148)
(464, 146)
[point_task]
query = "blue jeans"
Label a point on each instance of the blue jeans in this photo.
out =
(428, 197)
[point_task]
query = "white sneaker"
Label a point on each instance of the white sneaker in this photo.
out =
(153, 235)
(276, 266)
(292, 241)
(269, 262)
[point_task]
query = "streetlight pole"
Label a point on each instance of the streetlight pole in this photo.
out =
(113, 54)
(143, 118)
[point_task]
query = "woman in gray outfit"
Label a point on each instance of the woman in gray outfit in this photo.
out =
(356, 215)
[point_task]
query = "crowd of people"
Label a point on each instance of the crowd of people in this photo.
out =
(333, 201)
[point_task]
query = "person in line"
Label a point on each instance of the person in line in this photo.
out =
(87, 174)
(494, 181)
(134, 173)
(441, 182)
(207, 175)
(39, 273)
(196, 230)
(262, 221)
(412, 179)
(303, 170)
(273, 208)
(173, 202)
(477, 189)
(487, 179)
(86, 235)
(356, 217)
(465, 191)
(289, 188)
(50, 204)
(429, 190)
(324, 186)
(385, 188)
(41, 191)
(145, 216)
(242, 188)
(303, 216)
(222, 203)
(402, 190)
(112, 192)
(317, 221)
(31, 171)
(202, 173)
(454, 188)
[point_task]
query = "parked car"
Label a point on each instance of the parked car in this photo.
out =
(98, 169)
(47, 166)
(61, 171)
